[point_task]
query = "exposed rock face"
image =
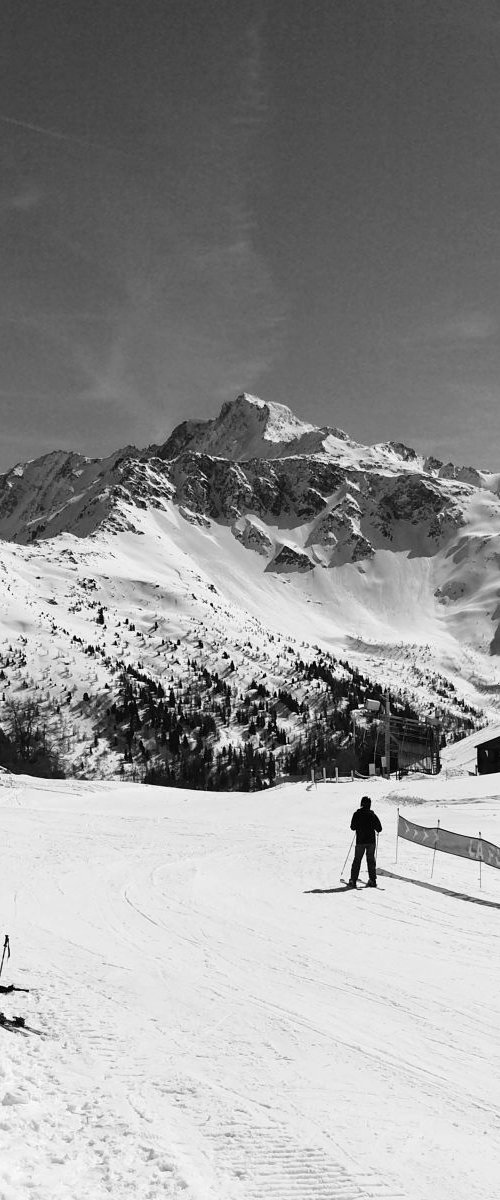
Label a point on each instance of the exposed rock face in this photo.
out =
(288, 559)
(250, 536)
(338, 530)
(463, 474)
(67, 492)
(291, 489)
(401, 451)
(419, 501)
(194, 518)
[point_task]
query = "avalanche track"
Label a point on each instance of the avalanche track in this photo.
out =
(208, 1018)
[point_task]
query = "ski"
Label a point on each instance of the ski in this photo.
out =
(19, 1022)
(18, 1025)
(360, 887)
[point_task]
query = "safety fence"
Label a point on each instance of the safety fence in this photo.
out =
(437, 838)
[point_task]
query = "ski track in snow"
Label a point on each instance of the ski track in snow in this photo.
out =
(201, 1025)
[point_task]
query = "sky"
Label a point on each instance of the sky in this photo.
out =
(298, 198)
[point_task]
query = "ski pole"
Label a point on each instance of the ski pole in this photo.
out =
(347, 856)
(6, 950)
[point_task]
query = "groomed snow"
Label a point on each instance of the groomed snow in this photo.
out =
(210, 1018)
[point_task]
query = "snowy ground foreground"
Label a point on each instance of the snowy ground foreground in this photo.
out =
(211, 1018)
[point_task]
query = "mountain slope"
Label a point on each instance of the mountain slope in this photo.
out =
(370, 554)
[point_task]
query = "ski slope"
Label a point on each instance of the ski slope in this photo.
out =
(211, 1018)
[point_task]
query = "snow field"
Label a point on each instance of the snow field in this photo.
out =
(212, 1019)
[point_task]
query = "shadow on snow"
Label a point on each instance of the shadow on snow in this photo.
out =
(434, 887)
(328, 891)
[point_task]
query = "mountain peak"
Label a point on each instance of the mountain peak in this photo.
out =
(250, 416)
(248, 427)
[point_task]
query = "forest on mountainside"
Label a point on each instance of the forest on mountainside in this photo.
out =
(210, 729)
(210, 733)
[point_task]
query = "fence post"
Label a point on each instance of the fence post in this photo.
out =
(435, 848)
(480, 857)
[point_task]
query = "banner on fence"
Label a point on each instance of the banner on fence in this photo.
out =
(436, 838)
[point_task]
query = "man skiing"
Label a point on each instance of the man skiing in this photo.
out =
(366, 824)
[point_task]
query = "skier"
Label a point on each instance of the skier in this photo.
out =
(366, 824)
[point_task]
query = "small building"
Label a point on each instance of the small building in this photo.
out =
(488, 756)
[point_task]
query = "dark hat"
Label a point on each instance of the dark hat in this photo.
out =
(366, 802)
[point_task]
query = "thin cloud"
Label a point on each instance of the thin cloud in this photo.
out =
(253, 103)
(31, 127)
(58, 136)
(467, 327)
(22, 201)
(457, 329)
(138, 302)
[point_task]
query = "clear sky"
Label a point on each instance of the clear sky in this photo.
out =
(298, 198)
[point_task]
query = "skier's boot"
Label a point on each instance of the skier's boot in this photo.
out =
(351, 883)
(372, 883)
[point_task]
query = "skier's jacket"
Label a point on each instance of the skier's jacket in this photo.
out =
(366, 824)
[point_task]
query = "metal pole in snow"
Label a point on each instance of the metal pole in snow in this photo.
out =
(387, 737)
(480, 857)
(435, 848)
(397, 834)
(6, 950)
(347, 855)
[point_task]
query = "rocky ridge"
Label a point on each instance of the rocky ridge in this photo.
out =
(255, 463)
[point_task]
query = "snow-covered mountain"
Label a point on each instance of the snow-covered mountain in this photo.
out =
(278, 482)
(256, 534)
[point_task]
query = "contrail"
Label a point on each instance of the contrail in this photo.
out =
(60, 137)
